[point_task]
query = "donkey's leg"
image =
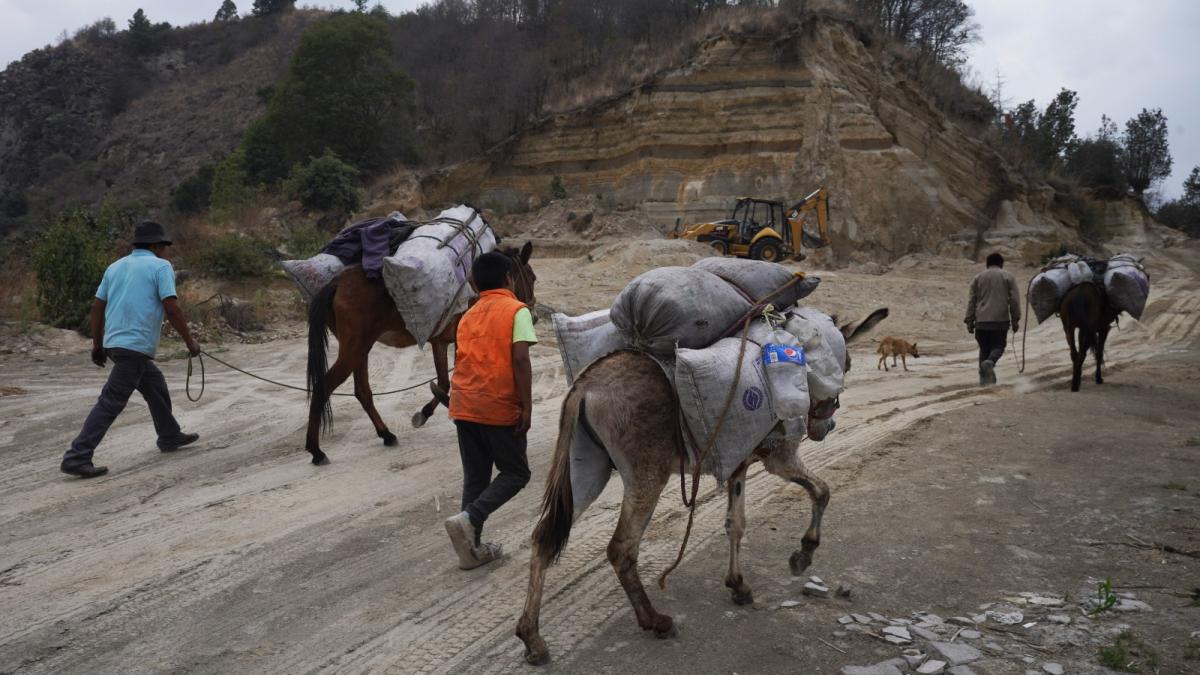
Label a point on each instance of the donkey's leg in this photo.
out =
(1087, 342)
(641, 496)
(362, 391)
(1100, 340)
(441, 388)
(735, 527)
(536, 652)
(785, 462)
(1076, 357)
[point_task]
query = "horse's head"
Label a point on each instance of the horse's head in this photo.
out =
(524, 279)
(820, 413)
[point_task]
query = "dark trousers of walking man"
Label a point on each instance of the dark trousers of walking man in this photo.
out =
(992, 338)
(131, 371)
(482, 448)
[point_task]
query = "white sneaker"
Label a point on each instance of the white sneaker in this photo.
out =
(462, 537)
(487, 552)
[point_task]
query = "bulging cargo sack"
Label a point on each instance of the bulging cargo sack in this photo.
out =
(757, 279)
(824, 352)
(427, 276)
(787, 376)
(686, 307)
(582, 340)
(312, 274)
(1127, 284)
(1047, 289)
(703, 378)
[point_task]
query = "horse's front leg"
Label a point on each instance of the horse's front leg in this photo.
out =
(783, 460)
(735, 527)
(362, 391)
(440, 388)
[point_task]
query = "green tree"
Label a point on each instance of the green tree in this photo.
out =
(325, 184)
(1191, 187)
(1147, 154)
(360, 5)
(1098, 161)
(342, 93)
(193, 194)
(264, 7)
(227, 12)
(141, 32)
(1057, 127)
(69, 261)
(1184, 213)
(230, 188)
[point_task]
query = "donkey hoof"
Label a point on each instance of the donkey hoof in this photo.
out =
(664, 628)
(799, 562)
(389, 439)
(419, 419)
(320, 458)
(743, 598)
(537, 657)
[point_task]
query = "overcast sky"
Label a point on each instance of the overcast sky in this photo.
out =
(1120, 55)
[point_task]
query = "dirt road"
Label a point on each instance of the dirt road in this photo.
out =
(240, 556)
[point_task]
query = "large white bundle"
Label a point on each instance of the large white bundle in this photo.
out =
(824, 351)
(677, 306)
(1127, 284)
(787, 375)
(702, 379)
(312, 274)
(1047, 289)
(757, 279)
(582, 340)
(427, 276)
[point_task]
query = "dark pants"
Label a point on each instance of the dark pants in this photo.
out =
(481, 447)
(130, 370)
(991, 343)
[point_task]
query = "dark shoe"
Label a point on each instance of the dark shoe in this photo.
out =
(176, 442)
(84, 470)
(987, 373)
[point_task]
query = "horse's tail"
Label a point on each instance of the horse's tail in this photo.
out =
(1084, 317)
(318, 345)
(558, 504)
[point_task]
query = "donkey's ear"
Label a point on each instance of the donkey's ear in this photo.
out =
(856, 329)
(526, 251)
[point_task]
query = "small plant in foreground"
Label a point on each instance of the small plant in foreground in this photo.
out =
(1193, 442)
(1128, 654)
(1176, 485)
(1105, 598)
(1191, 650)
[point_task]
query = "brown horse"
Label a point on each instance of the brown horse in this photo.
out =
(1085, 309)
(360, 312)
(625, 406)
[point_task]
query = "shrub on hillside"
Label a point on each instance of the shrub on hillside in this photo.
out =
(230, 189)
(69, 260)
(325, 184)
(304, 242)
(231, 257)
(193, 194)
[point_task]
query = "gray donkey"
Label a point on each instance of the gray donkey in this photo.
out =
(625, 405)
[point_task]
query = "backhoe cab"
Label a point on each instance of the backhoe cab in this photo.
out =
(762, 229)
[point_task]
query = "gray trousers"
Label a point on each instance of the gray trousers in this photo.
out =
(130, 371)
(482, 448)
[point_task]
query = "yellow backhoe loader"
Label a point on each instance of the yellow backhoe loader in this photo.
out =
(761, 229)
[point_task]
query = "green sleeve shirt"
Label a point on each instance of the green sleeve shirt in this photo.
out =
(523, 327)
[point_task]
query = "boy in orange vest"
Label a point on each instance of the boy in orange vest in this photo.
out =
(491, 401)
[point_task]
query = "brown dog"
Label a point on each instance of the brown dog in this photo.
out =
(893, 347)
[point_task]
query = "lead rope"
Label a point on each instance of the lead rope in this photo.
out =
(754, 312)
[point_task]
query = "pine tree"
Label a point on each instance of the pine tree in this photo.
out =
(1147, 155)
(227, 12)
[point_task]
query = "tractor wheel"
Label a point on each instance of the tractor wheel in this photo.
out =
(719, 246)
(767, 250)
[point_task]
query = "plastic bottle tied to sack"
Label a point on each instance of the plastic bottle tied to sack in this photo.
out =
(825, 373)
(787, 375)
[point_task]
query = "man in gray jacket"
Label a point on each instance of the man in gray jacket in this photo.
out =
(994, 305)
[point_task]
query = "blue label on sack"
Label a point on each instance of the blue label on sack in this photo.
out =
(776, 353)
(753, 398)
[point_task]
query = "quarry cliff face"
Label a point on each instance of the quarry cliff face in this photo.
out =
(776, 117)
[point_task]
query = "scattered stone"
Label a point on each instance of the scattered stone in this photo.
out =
(877, 617)
(970, 634)
(1058, 618)
(899, 632)
(913, 657)
(979, 618)
(815, 590)
(986, 605)
(817, 581)
(1031, 624)
(960, 670)
(900, 622)
(862, 618)
(840, 634)
(923, 633)
(993, 647)
(1128, 605)
(845, 619)
(1007, 618)
(789, 603)
(1044, 601)
(877, 669)
(962, 621)
(857, 628)
(931, 667)
(843, 591)
(1053, 668)
(933, 618)
(1029, 660)
(956, 654)
(895, 640)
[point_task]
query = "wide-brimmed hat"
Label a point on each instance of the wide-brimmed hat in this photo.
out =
(150, 232)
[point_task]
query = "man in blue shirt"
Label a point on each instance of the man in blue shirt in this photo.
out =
(126, 322)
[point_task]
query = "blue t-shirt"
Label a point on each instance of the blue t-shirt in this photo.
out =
(134, 288)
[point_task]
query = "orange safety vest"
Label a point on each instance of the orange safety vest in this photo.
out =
(483, 388)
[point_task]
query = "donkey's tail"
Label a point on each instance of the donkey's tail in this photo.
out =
(558, 504)
(1080, 311)
(318, 346)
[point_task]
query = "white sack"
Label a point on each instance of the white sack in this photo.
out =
(427, 277)
(1127, 284)
(757, 279)
(582, 340)
(312, 274)
(671, 307)
(824, 351)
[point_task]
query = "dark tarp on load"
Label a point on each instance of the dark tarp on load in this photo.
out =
(370, 241)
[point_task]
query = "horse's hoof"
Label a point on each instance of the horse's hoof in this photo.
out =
(664, 628)
(389, 439)
(537, 658)
(419, 419)
(746, 598)
(799, 562)
(320, 459)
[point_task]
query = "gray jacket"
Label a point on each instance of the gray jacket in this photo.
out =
(994, 298)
